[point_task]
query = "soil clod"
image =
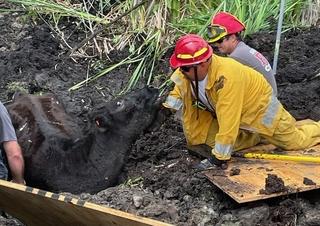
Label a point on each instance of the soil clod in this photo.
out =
(234, 171)
(274, 184)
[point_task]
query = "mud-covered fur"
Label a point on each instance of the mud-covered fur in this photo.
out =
(60, 156)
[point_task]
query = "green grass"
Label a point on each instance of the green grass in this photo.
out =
(151, 29)
(63, 10)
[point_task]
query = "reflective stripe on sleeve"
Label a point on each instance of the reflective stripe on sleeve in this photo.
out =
(271, 112)
(222, 151)
(174, 103)
(176, 79)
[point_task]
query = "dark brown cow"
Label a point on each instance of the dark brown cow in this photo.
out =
(60, 156)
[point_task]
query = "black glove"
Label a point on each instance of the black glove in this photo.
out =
(209, 163)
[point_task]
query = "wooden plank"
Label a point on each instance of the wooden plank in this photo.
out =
(36, 207)
(246, 186)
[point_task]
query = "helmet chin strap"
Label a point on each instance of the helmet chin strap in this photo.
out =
(197, 89)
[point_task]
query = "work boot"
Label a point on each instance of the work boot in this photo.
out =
(210, 163)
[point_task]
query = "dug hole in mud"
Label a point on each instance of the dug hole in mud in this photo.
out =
(163, 185)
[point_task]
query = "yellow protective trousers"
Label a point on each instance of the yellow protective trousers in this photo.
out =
(289, 135)
(245, 139)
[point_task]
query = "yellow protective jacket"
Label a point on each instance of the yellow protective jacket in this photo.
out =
(241, 96)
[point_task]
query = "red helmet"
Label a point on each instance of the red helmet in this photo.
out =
(223, 24)
(190, 50)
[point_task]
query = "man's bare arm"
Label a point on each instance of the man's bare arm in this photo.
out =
(15, 161)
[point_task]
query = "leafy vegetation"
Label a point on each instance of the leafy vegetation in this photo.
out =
(148, 30)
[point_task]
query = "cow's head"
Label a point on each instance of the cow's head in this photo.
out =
(128, 114)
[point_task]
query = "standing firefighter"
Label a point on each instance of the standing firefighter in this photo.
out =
(224, 33)
(227, 105)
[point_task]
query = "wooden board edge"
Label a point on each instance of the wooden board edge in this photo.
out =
(82, 203)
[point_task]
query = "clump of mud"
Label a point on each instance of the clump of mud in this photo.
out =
(234, 171)
(274, 184)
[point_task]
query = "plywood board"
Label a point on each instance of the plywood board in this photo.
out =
(36, 207)
(246, 186)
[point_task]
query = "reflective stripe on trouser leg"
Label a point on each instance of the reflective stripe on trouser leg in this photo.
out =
(290, 136)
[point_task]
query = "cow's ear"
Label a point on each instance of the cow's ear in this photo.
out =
(101, 124)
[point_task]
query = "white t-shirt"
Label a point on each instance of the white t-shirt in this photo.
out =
(202, 92)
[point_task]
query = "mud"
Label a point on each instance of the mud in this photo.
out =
(234, 171)
(274, 184)
(160, 182)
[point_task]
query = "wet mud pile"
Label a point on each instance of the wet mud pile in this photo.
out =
(160, 182)
(274, 184)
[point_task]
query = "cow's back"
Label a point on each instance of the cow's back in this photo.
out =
(60, 156)
(44, 130)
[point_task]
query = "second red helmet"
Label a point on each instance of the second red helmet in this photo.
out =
(223, 24)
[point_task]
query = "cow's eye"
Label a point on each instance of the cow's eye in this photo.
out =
(119, 103)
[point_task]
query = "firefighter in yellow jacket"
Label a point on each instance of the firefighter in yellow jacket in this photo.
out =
(227, 105)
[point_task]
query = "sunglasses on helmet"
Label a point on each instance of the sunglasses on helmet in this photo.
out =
(216, 33)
